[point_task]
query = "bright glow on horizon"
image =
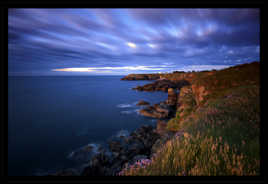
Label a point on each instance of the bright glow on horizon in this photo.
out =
(74, 70)
(98, 69)
(66, 39)
(160, 68)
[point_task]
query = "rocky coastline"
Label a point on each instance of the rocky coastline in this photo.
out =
(141, 77)
(127, 149)
(187, 92)
(122, 150)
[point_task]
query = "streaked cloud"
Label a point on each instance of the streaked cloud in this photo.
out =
(44, 40)
(97, 69)
(203, 67)
(152, 45)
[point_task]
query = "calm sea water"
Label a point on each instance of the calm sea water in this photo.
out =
(49, 117)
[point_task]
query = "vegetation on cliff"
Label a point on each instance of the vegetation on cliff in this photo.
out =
(217, 126)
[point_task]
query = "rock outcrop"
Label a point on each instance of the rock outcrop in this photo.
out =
(172, 97)
(161, 127)
(122, 150)
(141, 77)
(159, 85)
(162, 85)
(142, 102)
(159, 111)
(200, 93)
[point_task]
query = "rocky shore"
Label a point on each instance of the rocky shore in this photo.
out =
(162, 85)
(145, 141)
(127, 149)
(163, 110)
(187, 92)
(122, 150)
(141, 77)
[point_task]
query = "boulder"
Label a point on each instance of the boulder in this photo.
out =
(137, 158)
(135, 148)
(122, 134)
(141, 77)
(85, 153)
(99, 165)
(159, 111)
(153, 113)
(142, 102)
(172, 97)
(163, 108)
(161, 127)
(116, 145)
(147, 136)
(139, 88)
(199, 92)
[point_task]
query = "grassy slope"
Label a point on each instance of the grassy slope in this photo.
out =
(220, 132)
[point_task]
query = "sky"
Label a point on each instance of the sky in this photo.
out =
(124, 41)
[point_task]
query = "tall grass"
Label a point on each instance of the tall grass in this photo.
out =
(197, 155)
(219, 137)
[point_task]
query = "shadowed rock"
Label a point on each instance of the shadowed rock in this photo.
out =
(159, 111)
(162, 85)
(172, 97)
(161, 127)
(141, 77)
(159, 85)
(142, 102)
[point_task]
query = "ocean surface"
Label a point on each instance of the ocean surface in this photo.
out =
(51, 116)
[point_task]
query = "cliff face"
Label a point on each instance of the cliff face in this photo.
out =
(217, 122)
(141, 77)
(160, 85)
(203, 83)
(207, 86)
(197, 87)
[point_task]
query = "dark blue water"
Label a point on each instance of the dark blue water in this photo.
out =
(48, 117)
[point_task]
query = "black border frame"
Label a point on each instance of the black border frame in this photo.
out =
(110, 179)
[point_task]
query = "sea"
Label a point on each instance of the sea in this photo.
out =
(51, 116)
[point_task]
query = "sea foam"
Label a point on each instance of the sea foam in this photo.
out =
(124, 105)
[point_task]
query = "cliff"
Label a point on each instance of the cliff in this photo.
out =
(209, 125)
(216, 125)
(141, 77)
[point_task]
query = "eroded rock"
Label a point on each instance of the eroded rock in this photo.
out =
(172, 97)
(142, 102)
(159, 111)
(141, 77)
(159, 85)
(161, 127)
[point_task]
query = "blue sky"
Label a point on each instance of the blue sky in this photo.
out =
(123, 41)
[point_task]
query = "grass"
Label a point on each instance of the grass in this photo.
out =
(197, 155)
(217, 137)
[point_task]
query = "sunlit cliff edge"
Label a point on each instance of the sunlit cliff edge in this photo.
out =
(216, 123)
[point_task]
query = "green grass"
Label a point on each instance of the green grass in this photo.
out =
(222, 139)
(219, 136)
